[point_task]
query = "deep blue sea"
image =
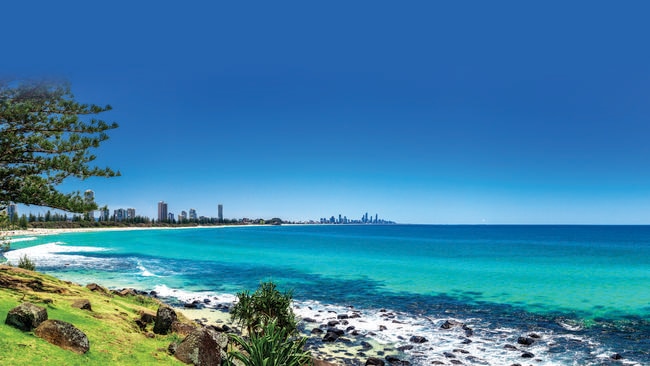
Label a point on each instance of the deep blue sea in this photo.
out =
(583, 290)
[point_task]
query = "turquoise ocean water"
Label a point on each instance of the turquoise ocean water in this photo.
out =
(585, 289)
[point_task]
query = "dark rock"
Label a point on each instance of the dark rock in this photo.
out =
(207, 301)
(147, 317)
(64, 335)
(455, 362)
(339, 332)
(96, 287)
(317, 331)
(127, 292)
(527, 341)
(449, 355)
(405, 348)
(374, 361)
(351, 327)
(355, 315)
(534, 335)
(448, 324)
(437, 363)
(26, 316)
(355, 332)
(202, 347)
(332, 323)
(466, 341)
(476, 360)
(527, 355)
(83, 304)
(365, 345)
(382, 328)
(397, 322)
(309, 320)
(418, 339)
(164, 319)
(616, 356)
(458, 350)
(396, 361)
(468, 331)
(182, 328)
(153, 293)
(150, 335)
(342, 316)
(330, 336)
(510, 347)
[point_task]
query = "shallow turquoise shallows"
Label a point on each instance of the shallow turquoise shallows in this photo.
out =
(594, 275)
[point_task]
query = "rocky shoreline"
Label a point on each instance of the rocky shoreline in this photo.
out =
(349, 336)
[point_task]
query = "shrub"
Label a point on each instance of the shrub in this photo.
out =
(266, 304)
(270, 347)
(25, 263)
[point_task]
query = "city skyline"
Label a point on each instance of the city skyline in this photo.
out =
(428, 112)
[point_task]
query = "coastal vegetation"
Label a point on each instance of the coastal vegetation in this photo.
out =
(47, 137)
(114, 336)
(267, 316)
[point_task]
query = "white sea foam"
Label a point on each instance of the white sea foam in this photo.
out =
(190, 296)
(144, 272)
(16, 240)
(54, 255)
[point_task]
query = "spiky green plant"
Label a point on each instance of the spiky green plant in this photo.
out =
(271, 347)
(266, 304)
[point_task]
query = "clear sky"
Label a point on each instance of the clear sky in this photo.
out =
(419, 111)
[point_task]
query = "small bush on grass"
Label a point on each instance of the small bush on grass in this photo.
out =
(25, 263)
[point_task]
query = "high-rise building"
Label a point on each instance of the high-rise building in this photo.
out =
(182, 216)
(11, 211)
(220, 212)
(104, 214)
(170, 216)
(119, 214)
(89, 197)
(193, 214)
(130, 213)
(162, 211)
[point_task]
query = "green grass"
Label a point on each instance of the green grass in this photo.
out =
(114, 337)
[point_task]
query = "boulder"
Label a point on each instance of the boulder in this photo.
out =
(26, 316)
(64, 335)
(96, 287)
(83, 304)
(527, 355)
(374, 361)
(182, 328)
(448, 324)
(202, 347)
(165, 316)
(331, 336)
(418, 339)
(526, 341)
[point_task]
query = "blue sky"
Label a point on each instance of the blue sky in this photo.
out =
(422, 112)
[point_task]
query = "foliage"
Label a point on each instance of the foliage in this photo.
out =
(272, 347)
(266, 304)
(46, 137)
(25, 263)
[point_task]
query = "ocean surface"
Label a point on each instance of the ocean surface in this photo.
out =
(581, 293)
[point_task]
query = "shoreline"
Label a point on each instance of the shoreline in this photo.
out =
(55, 231)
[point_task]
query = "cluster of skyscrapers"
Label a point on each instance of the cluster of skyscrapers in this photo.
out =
(164, 215)
(365, 219)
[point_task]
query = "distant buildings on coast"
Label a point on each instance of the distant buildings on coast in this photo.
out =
(191, 216)
(365, 219)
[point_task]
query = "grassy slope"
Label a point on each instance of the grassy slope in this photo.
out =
(114, 337)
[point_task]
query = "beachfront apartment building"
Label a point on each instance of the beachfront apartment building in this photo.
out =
(220, 212)
(162, 211)
(193, 214)
(89, 197)
(130, 213)
(12, 211)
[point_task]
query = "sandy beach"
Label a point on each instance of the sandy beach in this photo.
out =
(42, 231)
